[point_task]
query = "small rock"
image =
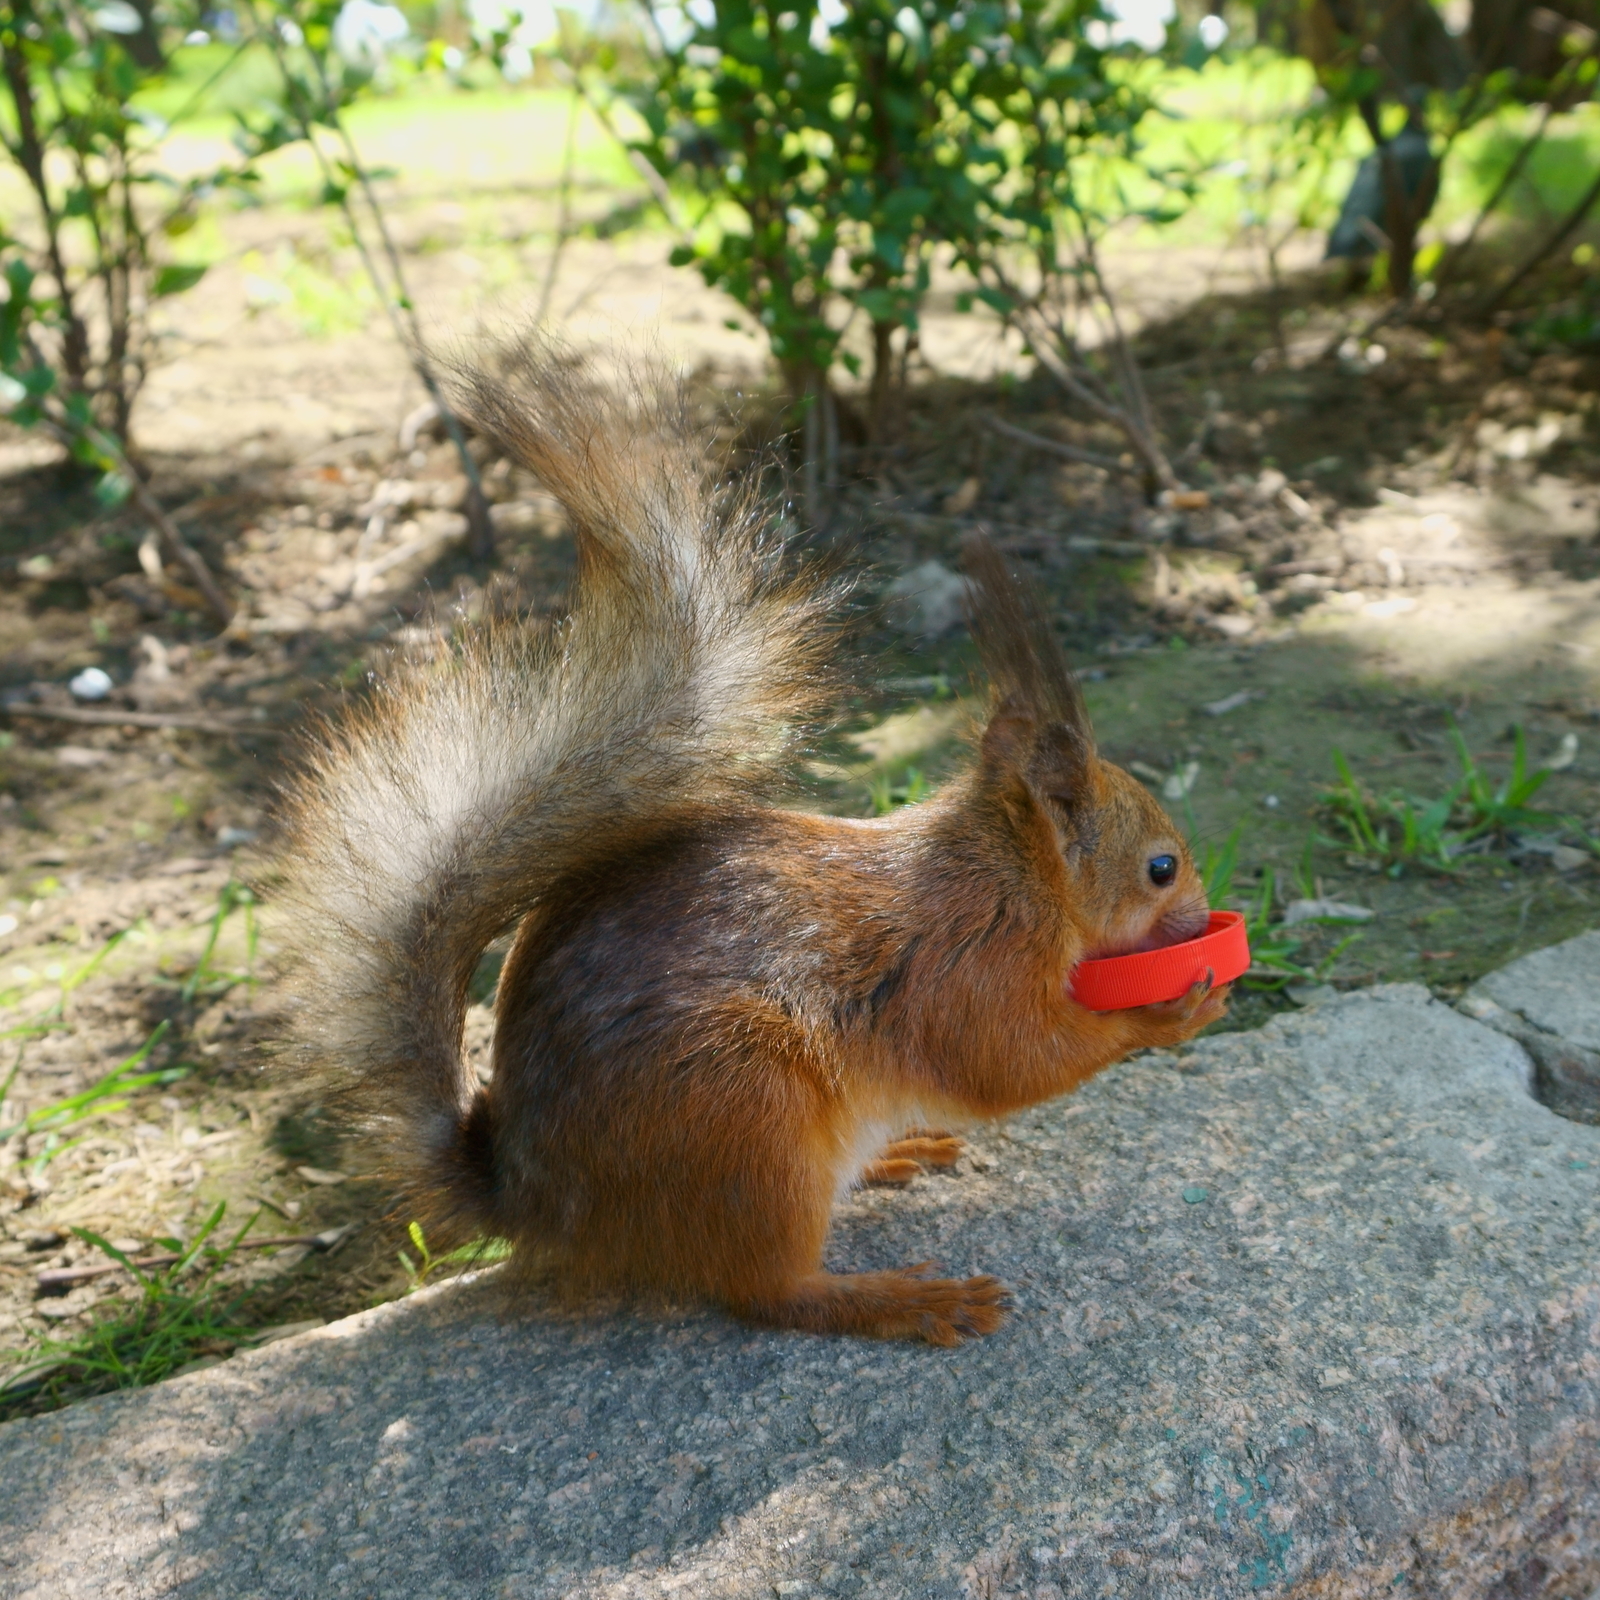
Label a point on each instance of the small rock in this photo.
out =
(964, 498)
(93, 683)
(81, 757)
(155, 666)
(1229, 702)
(1181, 782)
(1397, 606)
(1311, 994)
(928, 601)
(1231, 625)
(320, 1175)
(1324, 911)
(1566, 859)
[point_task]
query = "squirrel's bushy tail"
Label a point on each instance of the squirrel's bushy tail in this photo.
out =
(427, 821)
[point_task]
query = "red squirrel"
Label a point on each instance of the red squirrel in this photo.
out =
(717, 1014)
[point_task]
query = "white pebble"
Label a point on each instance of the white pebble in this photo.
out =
(93, 683)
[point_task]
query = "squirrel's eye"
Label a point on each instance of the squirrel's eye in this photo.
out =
(1163, 869)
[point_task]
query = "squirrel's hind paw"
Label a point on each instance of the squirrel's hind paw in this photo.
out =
(888, 1305)
(904, 1159)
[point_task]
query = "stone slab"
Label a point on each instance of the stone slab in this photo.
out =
(1550, 1003)
(1313, 1311)
(1556, 989)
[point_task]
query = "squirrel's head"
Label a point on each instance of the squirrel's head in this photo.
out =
(1123, 867)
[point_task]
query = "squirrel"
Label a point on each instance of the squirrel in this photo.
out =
(717, 1014)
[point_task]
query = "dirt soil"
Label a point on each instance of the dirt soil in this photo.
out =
(1393, 540)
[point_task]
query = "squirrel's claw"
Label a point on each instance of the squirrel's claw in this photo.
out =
(1198, 1007)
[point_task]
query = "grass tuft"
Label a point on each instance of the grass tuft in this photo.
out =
(178, 1318)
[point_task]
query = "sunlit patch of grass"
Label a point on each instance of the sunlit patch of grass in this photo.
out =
(179, 1316)
(1394, 830)
(422, 1266)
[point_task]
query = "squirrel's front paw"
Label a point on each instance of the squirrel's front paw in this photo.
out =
(1173, 1021)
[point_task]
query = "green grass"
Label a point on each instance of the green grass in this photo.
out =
(110, 1093)
(421, 1267)
(1233, 119)
(101, 1098)
(1274, 949)
(1395, 830)
(180, 1315)
(435, 136)
(886, 795)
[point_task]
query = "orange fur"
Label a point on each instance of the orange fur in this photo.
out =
(717, 1014)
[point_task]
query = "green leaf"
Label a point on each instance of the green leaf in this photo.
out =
(174, 278)
(112, 489)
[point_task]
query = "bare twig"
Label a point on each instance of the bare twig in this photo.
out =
(361, 584)
(139, 719)
(659, 189)
(58, 1279)
(396, 298)
(1068, 452)
(66, 431)
(180, 547)
(1017, 536)
(1542, 252)
(1458, 253)
(564, 212)
(477, 503)
(1052, 348)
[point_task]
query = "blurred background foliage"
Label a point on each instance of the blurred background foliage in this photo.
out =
(815, 159)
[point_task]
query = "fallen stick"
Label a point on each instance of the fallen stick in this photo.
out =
(1014, 533)
(57, 1280)
(152, 508)
(1068, 452)
(139, 719)
(361, 583)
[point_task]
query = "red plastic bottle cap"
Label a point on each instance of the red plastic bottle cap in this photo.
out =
(1150, 976)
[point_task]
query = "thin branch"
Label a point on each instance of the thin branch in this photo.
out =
(660, 192)
(477, 505)
(393, 300)
(564, 211)
(67, 432)
(140, 719)
(1507, 178)
(1057, 366)
(30, 156)
(1067, 452)
(1544, 251)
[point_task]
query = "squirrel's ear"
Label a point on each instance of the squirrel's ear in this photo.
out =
(1052, 756)
(1029, 672)
(1062, 765)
